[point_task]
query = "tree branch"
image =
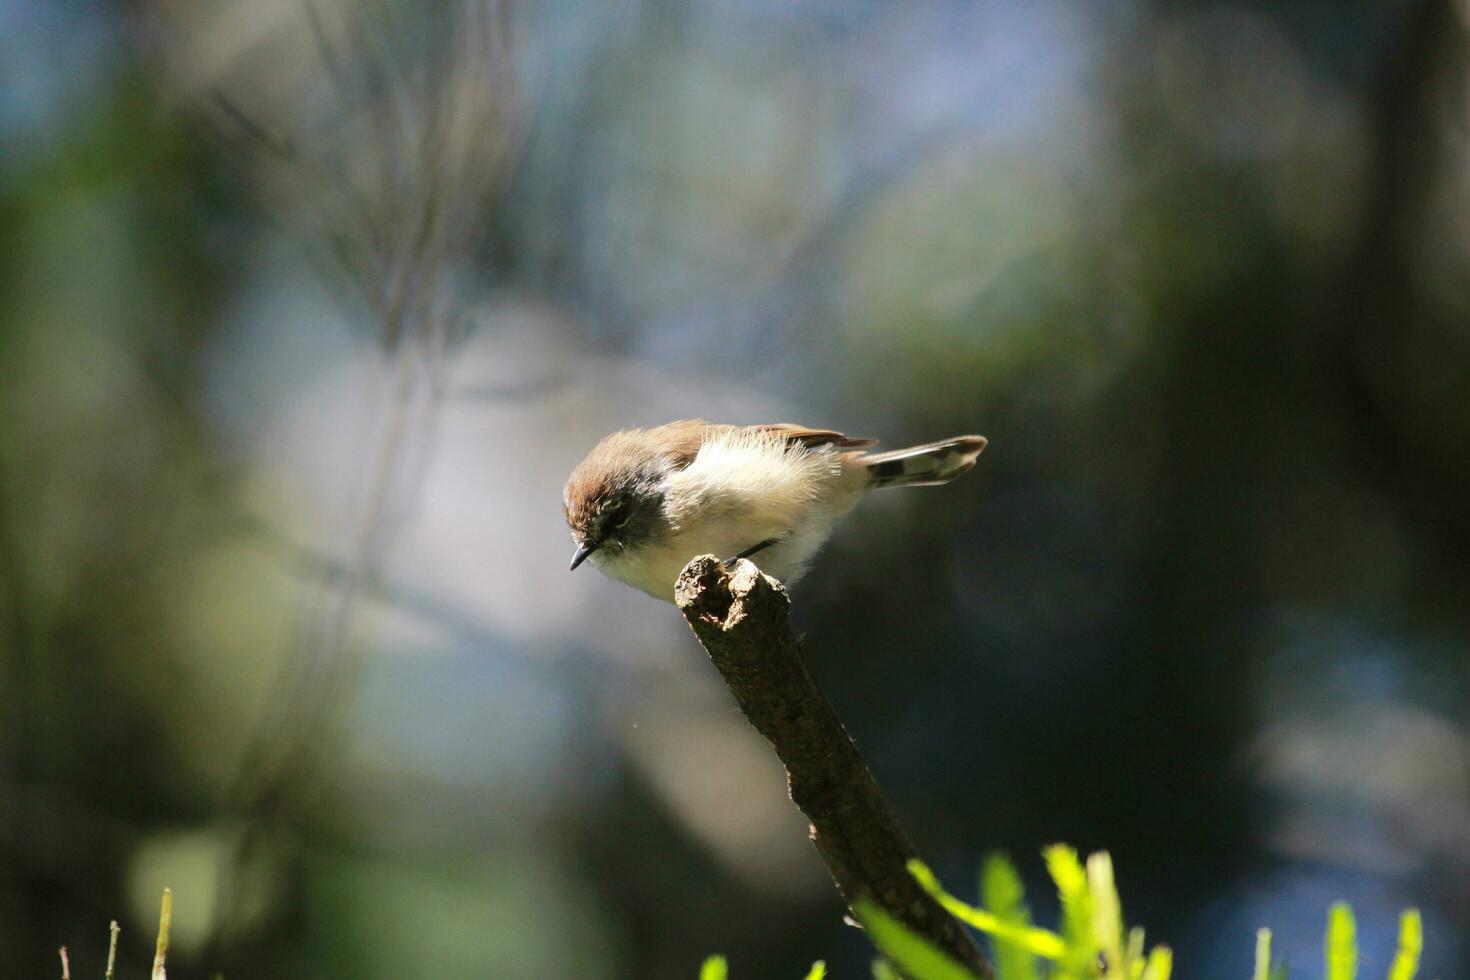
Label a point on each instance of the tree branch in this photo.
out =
(741, 618)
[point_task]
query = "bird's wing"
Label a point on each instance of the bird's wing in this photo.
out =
(684, 438)
(812, 438)
(689, 434)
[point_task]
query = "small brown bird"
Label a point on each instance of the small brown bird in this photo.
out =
(646, 501)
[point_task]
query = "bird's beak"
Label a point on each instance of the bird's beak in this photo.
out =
(583, 550)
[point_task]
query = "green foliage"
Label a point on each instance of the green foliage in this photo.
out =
(882, 971)
(1160, 963)
(1093, 942)
(1038, 942)
(1107, 917)
(1265, 969)
(1080, 946)
(1341, 945)
(1001, 892)
(1263, 955)
(1411, 944)
(913, 955)
(718, 968)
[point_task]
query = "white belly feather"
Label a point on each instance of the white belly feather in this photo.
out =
(743, 488)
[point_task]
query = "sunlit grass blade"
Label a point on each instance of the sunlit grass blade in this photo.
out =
(1160, 964)
(160, 950)
(1107, 912)
(1002, 894)
(1071, 882)
(882, 971)
(1134, 953)
(1092, 945)
(113, 930)
(1411, 944)
(1341, 947)
(913, 956)
(1040, 942)
(1263, 955)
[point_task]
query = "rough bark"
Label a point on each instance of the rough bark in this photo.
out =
(741, 619)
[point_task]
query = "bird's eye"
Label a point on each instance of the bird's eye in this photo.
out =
(620, 519)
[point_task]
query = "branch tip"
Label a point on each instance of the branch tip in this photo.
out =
(703, 591)
(741, 617)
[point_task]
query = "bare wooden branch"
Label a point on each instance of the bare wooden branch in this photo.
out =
(741, 618)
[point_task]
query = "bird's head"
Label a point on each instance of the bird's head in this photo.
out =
(614, 498)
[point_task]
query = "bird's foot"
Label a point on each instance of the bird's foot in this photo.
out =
(730, 562)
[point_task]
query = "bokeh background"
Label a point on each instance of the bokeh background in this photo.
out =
(310, 306)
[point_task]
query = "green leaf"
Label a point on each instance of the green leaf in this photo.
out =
(1133, 955)
(818, 971)
(1263, 955)
(1107, 912)
(1160, 964)
(916, 957)
(1002, 893)
(715, 968)
(1341, 946)
(1071, 881)
(882, 971)
(1038, 941)
(1411, 944)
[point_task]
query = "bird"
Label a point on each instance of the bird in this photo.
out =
(646, 501)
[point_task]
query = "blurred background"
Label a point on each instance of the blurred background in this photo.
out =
(311, 305)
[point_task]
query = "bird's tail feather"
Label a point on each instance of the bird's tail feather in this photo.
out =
(923, 466)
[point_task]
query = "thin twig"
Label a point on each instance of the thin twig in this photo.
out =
(165, 919)
(114, 930)
(396, 212)
(741, 618)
